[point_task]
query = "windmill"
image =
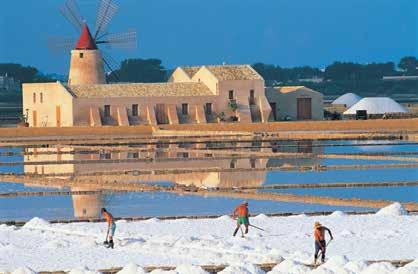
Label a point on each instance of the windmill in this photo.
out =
(91, 41)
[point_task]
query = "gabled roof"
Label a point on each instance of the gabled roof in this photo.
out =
(377, 105)
(234, 72)
(140, 90)
(190, 71)
(290, 89)
(86, 40)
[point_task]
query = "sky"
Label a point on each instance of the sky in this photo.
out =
(195, 32)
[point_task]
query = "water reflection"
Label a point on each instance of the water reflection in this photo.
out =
(70, 162)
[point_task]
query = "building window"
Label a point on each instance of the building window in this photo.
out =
(252, 97)
(41, 99)
(135, 110)
(209, 108)
(133, 155)
(252, 162)
(105, 156)
(183, 155)
(185, 109)
(81, 55)
(107, 110)
(233, 163)
(34, 97)
(231, 95)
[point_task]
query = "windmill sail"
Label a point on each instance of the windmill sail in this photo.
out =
(72, 13)
(106, 12)
(127, 40)
(58, 44)
(111, 67)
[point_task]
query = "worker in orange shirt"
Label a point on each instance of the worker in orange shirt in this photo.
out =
(241, 212)
(111, 227)
(320, 243)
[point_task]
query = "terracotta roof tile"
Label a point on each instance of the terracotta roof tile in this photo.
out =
(234, 72)
(287, 89)
(140, 89)
(190, 71)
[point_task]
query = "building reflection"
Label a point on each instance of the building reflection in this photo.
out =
(204, 169)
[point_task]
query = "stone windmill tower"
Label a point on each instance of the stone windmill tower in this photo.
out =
(88, 65)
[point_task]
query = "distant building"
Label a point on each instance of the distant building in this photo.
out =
(295, 103)
(311, 80)
(9, 83)
(199, 94)
(399, 78)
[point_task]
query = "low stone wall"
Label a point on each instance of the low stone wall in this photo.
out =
(332, 126)
(324, 130)
(76, 131)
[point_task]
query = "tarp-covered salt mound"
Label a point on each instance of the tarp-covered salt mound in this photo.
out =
(377, 105)
(348, 99)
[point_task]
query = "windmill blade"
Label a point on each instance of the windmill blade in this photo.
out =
(126, 40)
(105, 13)
(59, 44)
(72, 13)
(111, 67)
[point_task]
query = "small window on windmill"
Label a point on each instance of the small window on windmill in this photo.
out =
(81, 54)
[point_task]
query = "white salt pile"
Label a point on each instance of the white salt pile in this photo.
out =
(395, 209)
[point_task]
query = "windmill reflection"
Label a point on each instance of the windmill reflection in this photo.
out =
(205, 170)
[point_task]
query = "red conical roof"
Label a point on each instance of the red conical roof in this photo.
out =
(86, 41)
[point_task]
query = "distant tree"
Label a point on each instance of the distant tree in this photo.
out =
(269, 72)
(23, 74)
(377, 70)
(140, 70)
(339, 71)
(409, 65)
(19, 72)
(304, 72)
(343, 71)
(272, 73)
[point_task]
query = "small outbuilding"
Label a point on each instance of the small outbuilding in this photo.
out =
(376, 105)
(348, 100)
(295, 103)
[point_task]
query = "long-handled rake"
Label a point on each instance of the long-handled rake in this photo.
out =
(259, 228)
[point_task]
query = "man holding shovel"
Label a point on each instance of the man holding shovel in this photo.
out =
(111, 227)
(241, 212)
(320, 243)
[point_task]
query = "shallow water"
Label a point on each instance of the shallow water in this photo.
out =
(161, 204)
(400, 194)
(141, 204)
(343, 176)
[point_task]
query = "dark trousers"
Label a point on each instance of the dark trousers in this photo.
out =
(318, 248)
